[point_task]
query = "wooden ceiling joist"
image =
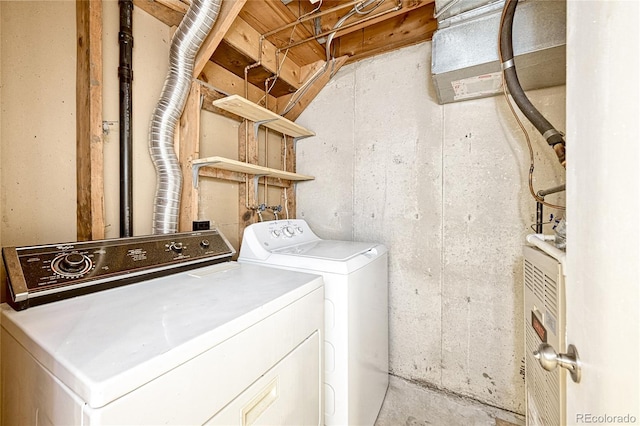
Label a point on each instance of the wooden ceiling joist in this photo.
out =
(251, 31)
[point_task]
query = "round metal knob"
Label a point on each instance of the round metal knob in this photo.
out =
(549, 359)
(73, 262)
(176, 247)
(204, 244)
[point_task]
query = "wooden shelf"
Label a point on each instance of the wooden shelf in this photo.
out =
(240, 106)
(251, 169)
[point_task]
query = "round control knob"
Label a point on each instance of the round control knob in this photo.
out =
(299, 230)
(71, 265)
(276, 233)
(72, 262)
(204, 244)
(288, 231)
(176, 247)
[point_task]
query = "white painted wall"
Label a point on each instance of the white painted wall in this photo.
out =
(38, 131)
(444, 187)
(38, 122)
(151, 45)
(603, 261)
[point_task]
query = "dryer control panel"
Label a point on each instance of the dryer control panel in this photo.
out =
(42, 274)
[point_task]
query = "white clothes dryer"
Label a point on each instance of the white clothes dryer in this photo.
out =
(356, 311)
(226, 344)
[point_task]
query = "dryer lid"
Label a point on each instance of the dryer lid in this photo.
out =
(338, 251)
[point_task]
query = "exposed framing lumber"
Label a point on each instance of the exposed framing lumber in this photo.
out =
(89, 138)
(231, 84)
(244, 38)
(311, 93)
(289, 194)
(400, 31)
(247, 152)
(189, 150)
(162, 13)
(228, 13)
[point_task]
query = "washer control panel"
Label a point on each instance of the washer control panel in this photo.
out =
(46, 273)
(276, 234)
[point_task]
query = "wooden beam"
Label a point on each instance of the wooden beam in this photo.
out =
(289, 194)
(328, 21)
(189, 150)
(89, 139)
(266, 16)
(161, 12)
(176, 5)
(247, 152)
(311, 93)
(403, 30)
(246, 39)
(231, 84)
(229, 10)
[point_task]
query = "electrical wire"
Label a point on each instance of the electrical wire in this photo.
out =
(298, 94)
(522, 127)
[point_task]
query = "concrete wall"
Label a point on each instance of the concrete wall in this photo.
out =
(445, 188)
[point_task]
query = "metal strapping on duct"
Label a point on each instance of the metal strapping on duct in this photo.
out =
(194, 28)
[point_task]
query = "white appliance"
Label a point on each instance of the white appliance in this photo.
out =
(225, 344)
(356, 314)
(544, 317)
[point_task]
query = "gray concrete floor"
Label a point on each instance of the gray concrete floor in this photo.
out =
(408, 404)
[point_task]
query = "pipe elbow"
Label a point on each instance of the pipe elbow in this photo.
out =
(559, 149)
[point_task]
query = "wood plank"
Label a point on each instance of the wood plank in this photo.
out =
(176, 5)
(328, 21)
(229, 10)
(169, 17)
(189, 151)
(226, 175)
(229, 83)
(401, 31)
(289, 194)
(247, 40)
(244, 108)
(265, 16)
(89, 138)
(228, 57)
(247, 152)
(304, 101)
(250, 169)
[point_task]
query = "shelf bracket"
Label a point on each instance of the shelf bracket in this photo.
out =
(255, 185)
(257, 124)
(195, 170)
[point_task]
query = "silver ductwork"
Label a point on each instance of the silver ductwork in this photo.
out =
(464, 62)
(194, 28)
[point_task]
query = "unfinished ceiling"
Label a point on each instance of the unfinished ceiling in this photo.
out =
(265, 50)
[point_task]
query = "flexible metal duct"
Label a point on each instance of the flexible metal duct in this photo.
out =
(188, 38)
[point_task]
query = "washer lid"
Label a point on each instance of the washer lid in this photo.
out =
(339, 251)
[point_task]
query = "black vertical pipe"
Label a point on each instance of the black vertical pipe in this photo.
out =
(125, 75)
(539, 217)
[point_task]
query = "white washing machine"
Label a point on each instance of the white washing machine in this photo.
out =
(356, 311)
(225, 344)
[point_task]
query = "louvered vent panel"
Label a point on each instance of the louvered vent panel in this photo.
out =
(543, 296)
(551, 295)
(528, 274)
